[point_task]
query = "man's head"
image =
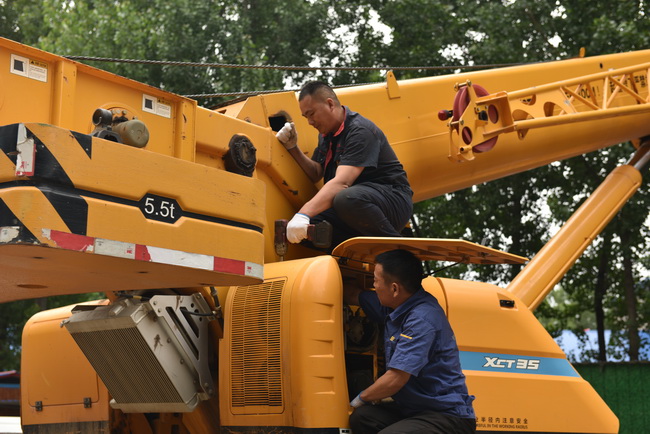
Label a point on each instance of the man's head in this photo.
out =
(398, 275)
(321, 107)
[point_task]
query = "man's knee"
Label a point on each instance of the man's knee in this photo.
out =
(354, 203)
(345, 202)
(364, 420)
(358, 420)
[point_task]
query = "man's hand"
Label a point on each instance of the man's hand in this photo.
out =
(297, 228)
(288, 136)
(357, 402)
(386, 386)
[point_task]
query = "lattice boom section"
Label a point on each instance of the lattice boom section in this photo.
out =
(256, 367)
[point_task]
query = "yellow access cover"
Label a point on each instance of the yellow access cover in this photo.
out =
(364, 250)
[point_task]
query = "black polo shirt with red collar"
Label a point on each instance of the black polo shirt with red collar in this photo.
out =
(360, 143)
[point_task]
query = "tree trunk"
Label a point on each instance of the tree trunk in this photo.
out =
(601, 288)
(630, 298)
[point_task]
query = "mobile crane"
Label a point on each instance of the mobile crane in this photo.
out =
(109, 185)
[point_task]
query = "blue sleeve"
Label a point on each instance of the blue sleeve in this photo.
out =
(369, 302)
(410, 350)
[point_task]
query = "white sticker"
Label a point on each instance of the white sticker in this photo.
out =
(9, 233)
(114, 248)
(151, 104)
(28, 68)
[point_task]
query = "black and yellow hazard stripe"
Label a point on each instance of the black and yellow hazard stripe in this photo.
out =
(50, 180)
(8, 139)
(9, 219)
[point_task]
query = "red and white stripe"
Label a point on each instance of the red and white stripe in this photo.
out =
(140, 252)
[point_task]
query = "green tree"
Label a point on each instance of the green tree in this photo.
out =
(8, 18)
(242, 32)
(14, 316)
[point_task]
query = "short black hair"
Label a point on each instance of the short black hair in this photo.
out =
(402, 267)
(319, 89)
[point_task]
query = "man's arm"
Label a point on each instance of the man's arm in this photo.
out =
(311, 168)
(351, 293)
(386, 386)
(344, 178)
(288, 136)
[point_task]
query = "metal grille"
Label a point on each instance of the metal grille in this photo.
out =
(131, 376)
(256, 354)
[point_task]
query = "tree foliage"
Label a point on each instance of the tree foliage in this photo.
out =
(14, 316)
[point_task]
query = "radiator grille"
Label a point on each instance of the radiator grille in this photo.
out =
(255, 353)
(134, 376)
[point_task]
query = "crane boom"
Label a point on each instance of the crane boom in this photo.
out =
(484, 118)
(551, 263)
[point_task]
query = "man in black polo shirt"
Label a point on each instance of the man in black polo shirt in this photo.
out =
(366, 192)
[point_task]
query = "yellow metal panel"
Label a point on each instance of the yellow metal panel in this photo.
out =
(364, 250)
(484, 327)
(65, 378)
(523, 403)
(316, 330)
(130, 173)
(311, 337)
(95, 190)
(473, 304)
(67, 93)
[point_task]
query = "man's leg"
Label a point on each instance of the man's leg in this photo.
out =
(430, 422)
(374, 209)
(370, 419)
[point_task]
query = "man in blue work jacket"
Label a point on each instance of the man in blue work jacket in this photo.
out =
(423, 373)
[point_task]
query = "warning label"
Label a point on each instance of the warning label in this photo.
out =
(158, 107)
(25, 67)
(519, 423)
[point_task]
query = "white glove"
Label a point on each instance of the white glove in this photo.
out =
(357, 402)
(297, 228)
(288, 136)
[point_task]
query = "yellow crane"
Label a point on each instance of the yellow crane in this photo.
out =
(110, 185)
